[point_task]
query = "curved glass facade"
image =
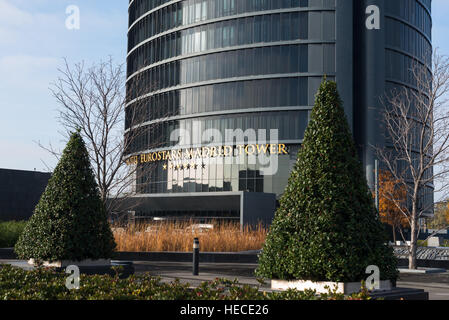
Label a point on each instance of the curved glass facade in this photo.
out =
(385, 59)
(246, 31)
(286, 60)
(289, 126)
(184, 14)
(411, 41)
(224, 65)
(229, 96)
(242, 65)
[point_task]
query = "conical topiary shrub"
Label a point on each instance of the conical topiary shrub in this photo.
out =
(326, 228)
(70, 221)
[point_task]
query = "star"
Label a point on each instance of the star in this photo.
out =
(171, 166)
(203, 166)
(187, 166)
(164, 166)
(178, 166)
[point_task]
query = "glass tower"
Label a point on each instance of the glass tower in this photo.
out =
(256, 64)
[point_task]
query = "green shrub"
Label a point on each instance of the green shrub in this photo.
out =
(70, 221)
(47, 284)
(10, 232)
(326, 228)
(422, 243)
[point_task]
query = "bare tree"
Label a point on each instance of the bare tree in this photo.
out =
(94, 101)
(417, 135)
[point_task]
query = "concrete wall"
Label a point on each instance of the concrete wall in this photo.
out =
(19, 193)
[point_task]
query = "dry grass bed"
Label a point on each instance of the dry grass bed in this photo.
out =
(170, 236)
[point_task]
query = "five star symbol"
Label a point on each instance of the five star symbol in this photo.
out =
(184, 166)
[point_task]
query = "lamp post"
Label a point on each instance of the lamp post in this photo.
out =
(196, 256)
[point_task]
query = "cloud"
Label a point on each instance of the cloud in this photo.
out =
(20, 28)
(13, 16)
(26, 71)
(33, 41)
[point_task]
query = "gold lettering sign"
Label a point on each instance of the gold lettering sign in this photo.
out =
(209, 152)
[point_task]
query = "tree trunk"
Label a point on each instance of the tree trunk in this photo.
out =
(413, 245)
(394, 234)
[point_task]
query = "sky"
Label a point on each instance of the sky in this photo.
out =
(34, 40)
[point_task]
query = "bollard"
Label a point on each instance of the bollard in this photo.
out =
(196, 256)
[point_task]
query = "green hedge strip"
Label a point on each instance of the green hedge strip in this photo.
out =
(46, 284)
(10, 232)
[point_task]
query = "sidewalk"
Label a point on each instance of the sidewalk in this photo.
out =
(436, 284)
(170, 271)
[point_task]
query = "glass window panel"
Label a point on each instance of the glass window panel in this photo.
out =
(188, 103)
(266, 28)
(286, 27)
(328, 26)
(257, 29)
(284, 60)
(202, 99)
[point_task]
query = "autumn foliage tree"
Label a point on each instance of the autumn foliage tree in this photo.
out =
(392, 202)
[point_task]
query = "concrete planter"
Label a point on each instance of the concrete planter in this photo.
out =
(320, 287)
(66, 263)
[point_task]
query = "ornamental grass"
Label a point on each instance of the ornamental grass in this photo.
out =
(178, 237)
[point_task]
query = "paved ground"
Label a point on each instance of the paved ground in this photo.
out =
(436, 284)
(170, 271)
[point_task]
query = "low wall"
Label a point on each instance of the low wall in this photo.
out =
(205, 257)
(7, 253)
(436, 257)
(441, 264)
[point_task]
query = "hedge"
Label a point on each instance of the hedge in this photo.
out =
(47, 284)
